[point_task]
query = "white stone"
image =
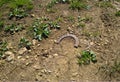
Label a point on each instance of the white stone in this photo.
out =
(22, 51)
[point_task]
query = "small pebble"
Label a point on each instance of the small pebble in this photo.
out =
(10, 56)
(19, 57)
(22, 51)
(55, 54)
(34, 42)
(91, 43)
(32, 15)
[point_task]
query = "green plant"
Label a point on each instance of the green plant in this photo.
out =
(52, 3)
(26, 4)
(3, 48)
(2, 2)
(54, 25)
(78, 4)
(105, 4)
(71, 18)
(19, 8)
(80, 25)
(1, 25)
(117, 14)
(81, 21)
(24, 43)
(40, 29)
(13, 28)
(51, 10)
(18, 13)
(86, 57)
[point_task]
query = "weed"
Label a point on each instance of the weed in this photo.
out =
(1, 25)
(95, 34)
(78, 4)
(40, 29)
(59, 19)
(42, 26)
(74, 4)
(71, 18)
(18, 8)
(52, 3)
(105, 4)
(26, 4)
(86, 57)
(81, 22)
(40, 5)
(80, 25)
(54, 25)
(24, 43)
(50, 10)
(3, 48)
(12, 4)
(2, 2)
(13, 28)
(17, 13)
(117, 14)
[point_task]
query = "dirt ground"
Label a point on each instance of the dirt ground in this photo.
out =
(48, 61)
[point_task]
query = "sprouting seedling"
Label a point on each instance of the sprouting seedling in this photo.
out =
(25, 43)
(78, 4)
(117, 13)
(3, 48)
(1, 25)
(13, 28)
(40, 29)
(86, 57)
(54, 25)
(18, 13)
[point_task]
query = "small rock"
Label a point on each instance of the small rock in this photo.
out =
(23, 59)
(55, 41)
(38, 45)
(19, 57)
(10, 56)
(28, 63)
(27, 57)
(44, 71)
(75, 74)
(29, 50)
(8, 53)
(22, 51)
(91, 43)
(32, 15)
(34, 42)
(55, 54)
(50, 56)
(37, 66)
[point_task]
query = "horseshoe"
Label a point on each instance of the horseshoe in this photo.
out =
(76, 44)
